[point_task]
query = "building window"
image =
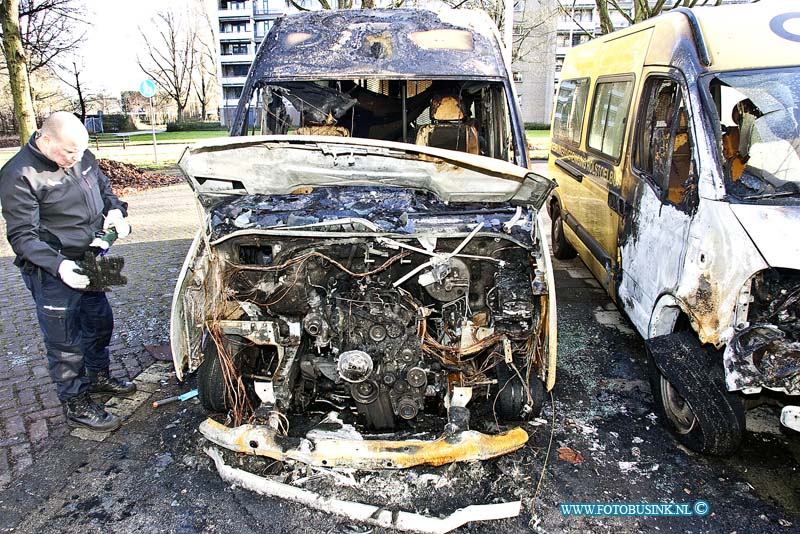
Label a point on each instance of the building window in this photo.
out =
(272, 6)
(263, 27)
(233, 27)
(234, 49)
(232, 92)
(517, 76)
(235, 70)
(609, 117)
(233, 6)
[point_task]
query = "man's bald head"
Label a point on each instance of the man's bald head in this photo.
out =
(63, 139)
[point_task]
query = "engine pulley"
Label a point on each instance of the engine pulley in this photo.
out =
(354, 366)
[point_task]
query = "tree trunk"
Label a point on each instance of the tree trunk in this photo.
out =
(606, 26)
(81, 98)
(17, 70)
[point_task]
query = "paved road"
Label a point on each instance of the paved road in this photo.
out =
(152, 475)
(31, 418)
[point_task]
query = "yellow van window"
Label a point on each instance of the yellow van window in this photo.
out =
(609, 114)
(570, 107)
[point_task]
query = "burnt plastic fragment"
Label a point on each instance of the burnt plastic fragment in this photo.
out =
(103, 271)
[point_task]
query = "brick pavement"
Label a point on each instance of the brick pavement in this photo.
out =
(164, 221)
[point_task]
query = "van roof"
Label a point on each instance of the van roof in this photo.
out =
(385, 43)
(744, 36)
(736, 36)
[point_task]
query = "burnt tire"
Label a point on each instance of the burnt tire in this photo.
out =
(211, 389)
(699, 411)
(512, 403)
(561, 248)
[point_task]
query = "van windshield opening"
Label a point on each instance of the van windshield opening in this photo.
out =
(759, 113)
(466, 116)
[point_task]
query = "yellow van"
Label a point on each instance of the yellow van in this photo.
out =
(677, 156)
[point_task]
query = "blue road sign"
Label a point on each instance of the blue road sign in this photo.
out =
(147, 88)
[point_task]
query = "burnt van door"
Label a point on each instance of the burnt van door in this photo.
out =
(661, 196)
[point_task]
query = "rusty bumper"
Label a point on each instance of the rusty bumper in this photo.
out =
(461, 446)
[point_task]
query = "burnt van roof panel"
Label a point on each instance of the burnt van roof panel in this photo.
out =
(385, 43)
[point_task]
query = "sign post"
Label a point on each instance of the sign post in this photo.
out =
(148, 89)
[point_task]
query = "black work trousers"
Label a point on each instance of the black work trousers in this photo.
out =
(76, 326)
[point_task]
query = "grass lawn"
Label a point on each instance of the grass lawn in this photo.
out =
(143, 137)
(537, 134)
(539, 143)
(178, 137)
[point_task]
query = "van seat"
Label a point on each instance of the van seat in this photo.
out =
(448, 128)
(333, 131)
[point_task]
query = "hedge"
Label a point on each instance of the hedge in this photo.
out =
(186, 126)
(118, 122)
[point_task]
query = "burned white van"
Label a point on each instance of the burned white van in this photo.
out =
(676, 149)
(375, 262)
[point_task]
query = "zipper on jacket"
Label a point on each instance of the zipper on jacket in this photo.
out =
(89, 205)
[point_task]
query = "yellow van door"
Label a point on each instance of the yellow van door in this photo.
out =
(597, 206)
(661, 195)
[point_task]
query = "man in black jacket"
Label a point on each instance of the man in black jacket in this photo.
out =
(54, 199)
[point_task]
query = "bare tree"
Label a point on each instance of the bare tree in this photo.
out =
(643, 9)
(170, 57)
(70, 74)
(50, 30)
(531, 27)
(16, 62)
(205, 75)
(132, 102)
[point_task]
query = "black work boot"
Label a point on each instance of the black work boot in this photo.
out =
(82, 411)
(103, 383)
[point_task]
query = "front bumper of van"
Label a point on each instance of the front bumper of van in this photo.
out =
(351, 452)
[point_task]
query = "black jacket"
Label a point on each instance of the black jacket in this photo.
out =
(52, 213)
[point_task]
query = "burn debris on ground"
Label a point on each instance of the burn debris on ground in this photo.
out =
(126, 178)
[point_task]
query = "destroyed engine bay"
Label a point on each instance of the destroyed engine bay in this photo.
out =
(765, 352)
(388, 324)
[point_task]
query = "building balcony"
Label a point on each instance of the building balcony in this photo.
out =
(235, 36)
(578, 27)
(245, 13)
(233, 14)
(270, 12)
(237, 58)
(233, 80)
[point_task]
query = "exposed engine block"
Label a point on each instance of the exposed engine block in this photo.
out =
(373, 336)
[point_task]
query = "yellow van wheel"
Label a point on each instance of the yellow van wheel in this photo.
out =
(561, 248)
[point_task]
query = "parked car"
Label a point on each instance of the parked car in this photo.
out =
(675, 148)
(378, 254)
